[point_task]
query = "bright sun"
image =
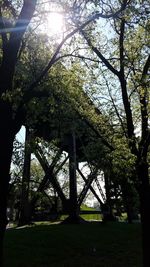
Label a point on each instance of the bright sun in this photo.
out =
(54, 23)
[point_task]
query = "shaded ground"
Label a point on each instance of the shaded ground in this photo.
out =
(86, 245)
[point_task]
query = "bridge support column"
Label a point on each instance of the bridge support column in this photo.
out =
(72, 176)
(73, 203)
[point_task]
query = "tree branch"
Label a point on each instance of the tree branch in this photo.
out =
(121, 46)
(77, 56)
(99, 54)
(146, 68)
(21, 25)
(116, 110)
(3, 34)
(9, 59)
(125, 98)
(53, 60)
(143, 101)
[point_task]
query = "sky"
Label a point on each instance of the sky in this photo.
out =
(21, 135)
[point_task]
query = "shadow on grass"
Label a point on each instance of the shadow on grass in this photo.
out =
(86, 245)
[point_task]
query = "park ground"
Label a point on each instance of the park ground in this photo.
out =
(93, 244)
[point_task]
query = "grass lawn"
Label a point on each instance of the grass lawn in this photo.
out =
(86, 245)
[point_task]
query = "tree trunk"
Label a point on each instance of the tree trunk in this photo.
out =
(127, 194)
(142, 171)
(6, 147)
(107, 208)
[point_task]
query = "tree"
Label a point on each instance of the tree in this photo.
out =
(123, 174)
(10, 45)
(124, 64)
